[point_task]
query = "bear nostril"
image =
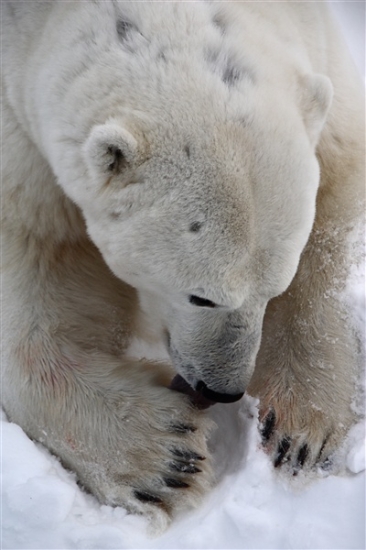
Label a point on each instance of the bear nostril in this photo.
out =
(216, 396)
(201, 302)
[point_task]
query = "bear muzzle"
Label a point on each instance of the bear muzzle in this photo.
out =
(215, 396)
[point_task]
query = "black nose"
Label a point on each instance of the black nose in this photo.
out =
(216, 396)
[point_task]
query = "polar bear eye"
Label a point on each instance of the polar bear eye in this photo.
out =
(201, 302)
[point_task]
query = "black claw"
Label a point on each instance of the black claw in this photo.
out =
(268, 426)
(189, 456)
(283, 447)
(183, 428)
(302, 456)
(322, 449)
(175, 483)
(184, 468)
(146, 497)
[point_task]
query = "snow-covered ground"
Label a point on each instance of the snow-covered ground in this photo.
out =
(252, 506)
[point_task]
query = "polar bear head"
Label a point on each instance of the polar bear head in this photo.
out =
(205, 208)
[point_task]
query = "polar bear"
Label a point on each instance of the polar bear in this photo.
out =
(183, 174)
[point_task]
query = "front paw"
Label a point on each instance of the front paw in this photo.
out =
(154, 460)
(301, 434)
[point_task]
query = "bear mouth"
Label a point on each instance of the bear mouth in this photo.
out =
(198, 399)
(202, 397)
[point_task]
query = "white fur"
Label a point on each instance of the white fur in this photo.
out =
(152, 152)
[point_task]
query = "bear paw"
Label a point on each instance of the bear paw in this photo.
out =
(300, 435)
(151, 458)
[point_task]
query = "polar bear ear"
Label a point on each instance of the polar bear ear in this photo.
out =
(317, 94)
(110, 149)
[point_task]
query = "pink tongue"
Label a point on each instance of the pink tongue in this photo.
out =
(179, 384)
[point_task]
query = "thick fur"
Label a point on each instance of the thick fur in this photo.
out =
(157, 151)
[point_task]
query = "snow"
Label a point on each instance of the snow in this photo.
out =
(253, 506)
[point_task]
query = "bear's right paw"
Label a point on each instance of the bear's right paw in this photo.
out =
(153, 460)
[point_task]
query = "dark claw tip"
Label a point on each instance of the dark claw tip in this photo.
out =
(146, 497)
(302, 456)
(184, 468)
(175, 483)
(183, 428)
(268, 425)
(283, 447)
(187, 455)
(319, 458)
